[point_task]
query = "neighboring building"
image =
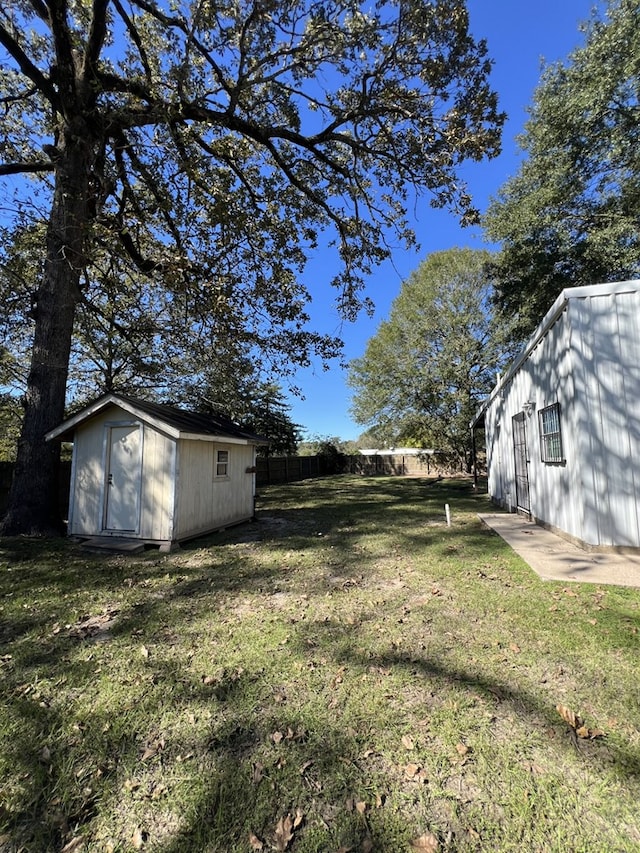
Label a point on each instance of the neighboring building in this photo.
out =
(155, 473)
(563, 425)
(397, 451)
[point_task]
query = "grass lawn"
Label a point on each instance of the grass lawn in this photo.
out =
(346, 674)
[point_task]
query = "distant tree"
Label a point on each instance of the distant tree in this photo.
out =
(316, 444)
(229, 382)
(208, 144)
(124, 338)
(370, 439)
(267, 414)
(350, 447)
(571, 215)
(430, 364)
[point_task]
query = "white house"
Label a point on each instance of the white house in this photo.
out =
(562, 425)
(155, 473)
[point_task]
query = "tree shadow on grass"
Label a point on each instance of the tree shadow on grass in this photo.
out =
(540, 715)
(242, 770)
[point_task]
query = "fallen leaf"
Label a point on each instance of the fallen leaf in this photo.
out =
(569, 716)
(137, 840)
(515, 648)
(361, 807)
(277, 737)
(589, 734)
(426, 843)
(462, 749)
(255, 842)
(152, 748)
(338, 678)
(283, 833)
(144, 651)
(411, 770)
(407, 742)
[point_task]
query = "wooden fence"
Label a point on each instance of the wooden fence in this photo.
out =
(272, 470)
(288, 469)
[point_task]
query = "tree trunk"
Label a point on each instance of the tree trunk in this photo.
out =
(33, 498)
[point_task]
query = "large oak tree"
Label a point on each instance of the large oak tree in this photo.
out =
(435, 358)
(207, 144)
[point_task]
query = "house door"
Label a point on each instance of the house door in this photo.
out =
(124, 478)
(520, 455)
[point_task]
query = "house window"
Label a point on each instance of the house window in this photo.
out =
(222, 463)
(550, 434)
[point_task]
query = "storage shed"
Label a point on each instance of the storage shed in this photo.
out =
(562, 425)
(155, 473)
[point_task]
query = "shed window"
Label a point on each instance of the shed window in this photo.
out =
(550, 434)
(222, 463)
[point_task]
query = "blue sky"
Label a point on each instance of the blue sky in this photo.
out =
(521, 37)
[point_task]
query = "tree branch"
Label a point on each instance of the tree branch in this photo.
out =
(42, 83)
(66, 66)
(96, 38)
(23, 168)
(135, 36)
(40, 9)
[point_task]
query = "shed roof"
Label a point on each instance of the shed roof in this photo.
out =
(582, 292)
(176, 422)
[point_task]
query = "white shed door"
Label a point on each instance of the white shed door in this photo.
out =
(124, 477)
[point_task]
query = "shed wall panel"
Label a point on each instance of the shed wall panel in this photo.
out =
(89, 471)
(87, 485)
(204, 501)
(89, 477)
(157, 485)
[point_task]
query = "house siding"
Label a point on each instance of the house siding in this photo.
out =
(608, 343)
(587, 359)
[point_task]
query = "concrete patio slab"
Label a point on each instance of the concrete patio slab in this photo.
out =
(554, 558)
